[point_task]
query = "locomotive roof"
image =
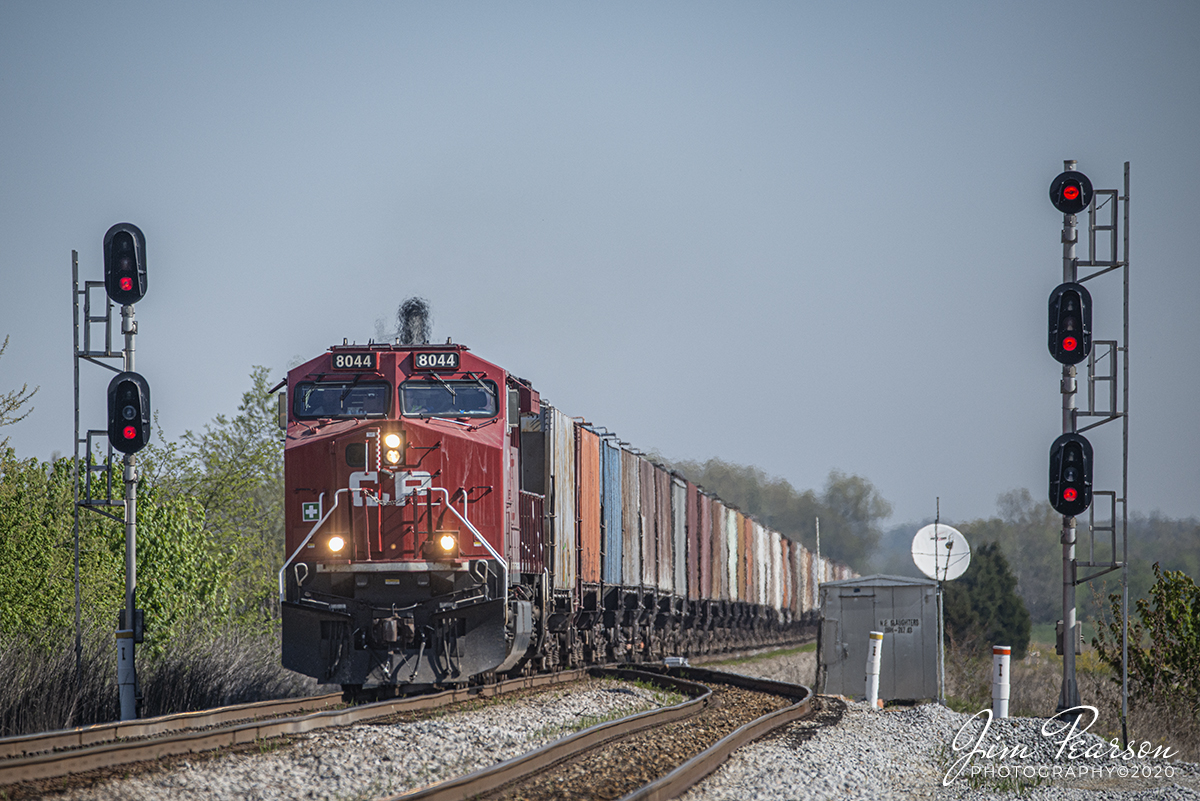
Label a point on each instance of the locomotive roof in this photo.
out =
(347, 345)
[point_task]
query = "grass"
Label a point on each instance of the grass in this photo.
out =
(40, 690)
(1036, 683)
(557, 730)
(659, 697)
(768, 654)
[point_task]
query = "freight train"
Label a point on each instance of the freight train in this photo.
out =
(446, 526)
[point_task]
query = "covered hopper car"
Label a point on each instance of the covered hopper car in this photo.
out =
(445, 525)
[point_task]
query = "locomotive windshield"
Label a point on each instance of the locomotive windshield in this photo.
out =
(341, 399)
(439, 398)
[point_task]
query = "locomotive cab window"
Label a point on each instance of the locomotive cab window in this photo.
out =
(420, 398)
(341, 399)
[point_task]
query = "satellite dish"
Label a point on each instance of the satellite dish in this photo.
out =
(941, 552)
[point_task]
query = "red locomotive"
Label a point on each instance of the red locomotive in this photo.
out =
(445, 525)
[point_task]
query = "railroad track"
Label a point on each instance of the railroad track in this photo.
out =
(641, 757)
(54, 754)
(723, 719)
(81, 737)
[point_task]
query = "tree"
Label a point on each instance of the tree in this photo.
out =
(37, 595)
(982, 607)
(180, 579)
(854, 509)
(1028, 532)
(1163, 666)
(233, 472)
(850, 507)
(11, 402)
(773, 501)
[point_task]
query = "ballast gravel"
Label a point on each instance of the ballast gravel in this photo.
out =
(912, 752)
(372, 760)
(850, 751)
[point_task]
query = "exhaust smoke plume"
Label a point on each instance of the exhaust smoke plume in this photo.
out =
(415, 322)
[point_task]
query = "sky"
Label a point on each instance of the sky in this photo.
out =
(803, 236)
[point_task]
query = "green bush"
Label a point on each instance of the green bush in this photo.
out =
(37, 587)
(209, 546)
(180, 577)
(1164, 645)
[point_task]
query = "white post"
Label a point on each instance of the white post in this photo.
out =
(874, 657)
(1001, 654)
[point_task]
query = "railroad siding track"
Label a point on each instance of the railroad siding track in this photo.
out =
(694, 770)
(111, 751)
(627, 758)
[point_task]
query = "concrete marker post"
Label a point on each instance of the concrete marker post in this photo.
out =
(1001, 654)
(874, 657)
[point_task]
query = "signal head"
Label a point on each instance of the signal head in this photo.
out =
(1071, 474)
(1070, 323)
(1071, 192)
(128, 412)
(125, 264)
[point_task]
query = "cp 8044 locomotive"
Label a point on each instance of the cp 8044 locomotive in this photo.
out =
(445, 525)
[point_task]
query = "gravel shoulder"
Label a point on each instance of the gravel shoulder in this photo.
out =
(911, 752)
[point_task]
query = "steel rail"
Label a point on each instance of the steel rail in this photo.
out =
(693, 771)
(671, 785)
(123, 752)
(82, 736)
(495, 776)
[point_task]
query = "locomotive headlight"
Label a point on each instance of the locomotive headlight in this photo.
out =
(336, 544)
(395, 450)
(442, 545)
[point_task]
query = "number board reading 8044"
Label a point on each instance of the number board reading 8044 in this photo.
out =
(354, 360)
(436, 360)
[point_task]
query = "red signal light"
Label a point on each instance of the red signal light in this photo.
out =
(1071, 192)
(126, 284)
(1070, 343)
(130, 432)
(1069, 494)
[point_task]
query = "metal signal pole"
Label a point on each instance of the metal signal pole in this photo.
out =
(1069, 697)
(1071, 457)
(128, 431)
(126, 669)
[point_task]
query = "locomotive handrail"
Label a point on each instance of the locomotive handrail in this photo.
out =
(337, 499)
(317, 525)
(475, 531)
